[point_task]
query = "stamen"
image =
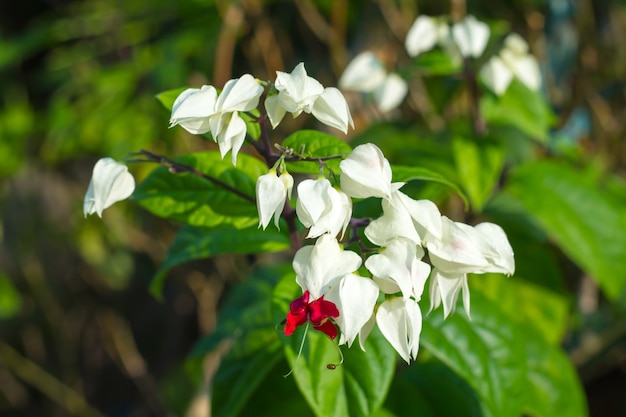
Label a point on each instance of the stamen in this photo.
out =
(333, 366)
(306, 330)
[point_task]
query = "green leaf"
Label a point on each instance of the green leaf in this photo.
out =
(197, 201)
(553, 387)
(167, 98)
(582, 219)
(10, 300)
(488, 352)
(530, 305)
(246, 322)
(521, 107)
(511, 367)
(432, 390)
(355, 388)
(479, 164)
(406, 174)
(315, 144)
(435, 62)
(199, 243)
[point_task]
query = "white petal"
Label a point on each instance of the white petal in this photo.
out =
(400, 321)
(232, 137)
(398, 269)
(366, 173)
(458, 251)
(422, 35)
(274, 110)
(110, 182)
(336, 215)
(193, 107)
(270, 198)
(391, 92)
(424, 213)
(365, 73)
(527, 70)
(496, 75)
(331, 108)
(318, 268)
(240, 94)
(355, 297)
(395, 222)
(297, 91)
(516, 44)
(495, 245)
(445, 288)
(312, 200)
(471, 36)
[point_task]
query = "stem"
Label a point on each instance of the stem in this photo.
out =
(478, 124)
(176, 168)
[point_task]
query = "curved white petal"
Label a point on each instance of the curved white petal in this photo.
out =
(366, 173)
(395, 222)
(331, 108)
(471, 36)
(422, 35)
(270, 198)
(527, 70)
(458, 251)
(297, 91)
(495, 245)
(400, 321)
(110, 182)
(424, 213)
(312, 200)
(275, 110)
(240, 94)
(355, 297)
(336, 216)
(445, 288)
(391, 92)
(365, 73)
(193, 107)
(496, 75)
(232, 137)
(318, 267)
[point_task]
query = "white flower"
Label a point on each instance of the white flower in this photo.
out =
(513, 61)
(398, 268)
(471, 36)
(201, 110)
(227, 128)
(322, 208)
(326, 270)
(465, 249)
(391, 92)
(466, 38)
(297, 93)
(366, 173)
(424, 34)
(271, 193)
(416, 220)
(400, 321)
(110, 182)
(192, 109)
(367, 74)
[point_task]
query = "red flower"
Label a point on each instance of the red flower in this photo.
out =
(317, 312)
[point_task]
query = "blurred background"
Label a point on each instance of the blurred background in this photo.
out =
(80, 335)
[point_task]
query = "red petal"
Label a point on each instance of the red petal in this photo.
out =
(293, 321)
(320, 310)
(327, 328)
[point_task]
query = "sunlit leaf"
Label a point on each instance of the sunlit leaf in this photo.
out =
(315, 144)
(584, 221)
(194, 200)
(200, 243)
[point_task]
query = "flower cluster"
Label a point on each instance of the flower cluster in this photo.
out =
(406, 230)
